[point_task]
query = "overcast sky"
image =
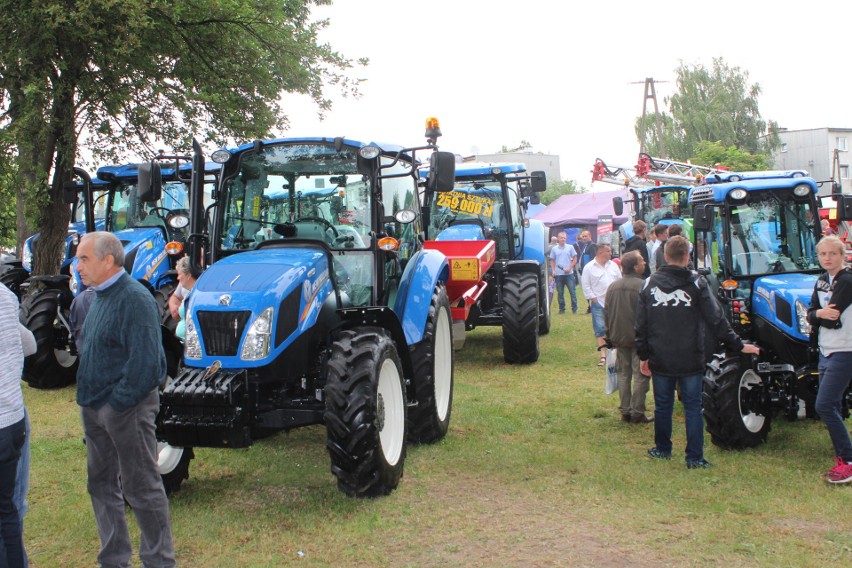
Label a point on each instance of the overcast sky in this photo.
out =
(560, 74)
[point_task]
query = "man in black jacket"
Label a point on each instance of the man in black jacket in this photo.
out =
(673, 349)
(639, 243)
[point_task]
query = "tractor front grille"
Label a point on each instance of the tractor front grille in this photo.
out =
(222, 331)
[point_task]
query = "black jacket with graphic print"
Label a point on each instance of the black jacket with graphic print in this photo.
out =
(841, 297)
(679, 321)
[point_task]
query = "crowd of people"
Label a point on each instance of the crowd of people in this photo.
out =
(654, 289)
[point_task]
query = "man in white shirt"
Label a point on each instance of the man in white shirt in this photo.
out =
(597, 276)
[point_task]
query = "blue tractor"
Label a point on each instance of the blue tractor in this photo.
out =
(488, 203)
(152, 229)
(318, 305)
(755, 240)
(662, 204)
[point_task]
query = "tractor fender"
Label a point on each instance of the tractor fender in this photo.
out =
(425, 269)
(385, 318)
(518, 266)
(535, 241)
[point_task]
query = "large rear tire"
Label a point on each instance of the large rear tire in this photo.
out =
(520, 318)
(365, 413)
(432, 358)
(544, 299)
(55, 362)
(736, 407)
(13, 277)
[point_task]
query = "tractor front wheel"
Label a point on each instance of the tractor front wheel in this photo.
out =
(365, 413)
(736, 405)
(55, 362)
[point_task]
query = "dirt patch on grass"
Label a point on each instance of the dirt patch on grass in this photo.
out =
(484, 526)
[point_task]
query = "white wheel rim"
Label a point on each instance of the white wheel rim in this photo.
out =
(390, 408)
(168, 457)
(63, 357)
(443, 365)
(753, 422)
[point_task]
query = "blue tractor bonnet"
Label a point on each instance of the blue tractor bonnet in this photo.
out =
(775, 298)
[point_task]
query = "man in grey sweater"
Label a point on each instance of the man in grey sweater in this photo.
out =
(122, 364)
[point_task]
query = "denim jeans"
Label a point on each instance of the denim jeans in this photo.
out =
(22, 483)
(835, 372)
(563, 281)
(598, 320)
(664, 397)
(11, 542)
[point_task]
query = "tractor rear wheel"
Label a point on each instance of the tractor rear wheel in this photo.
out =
(55, 362)
(520, 318)
(544, 299)
(13, 277)
(433, 374)
(365, 413)
(736, 406)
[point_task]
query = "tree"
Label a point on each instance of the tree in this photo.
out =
(714, 105)
(716, 153)
(557, 188)
(119, 74)
(524, 145)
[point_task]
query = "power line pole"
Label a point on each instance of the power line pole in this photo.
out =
(650, 93)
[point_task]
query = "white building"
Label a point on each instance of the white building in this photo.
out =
(549, 163)
(813, 150)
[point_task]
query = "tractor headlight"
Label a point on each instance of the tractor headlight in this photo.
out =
(802, 318)
(73, 285)
(256, 344)
(192, 345)
(801, 190)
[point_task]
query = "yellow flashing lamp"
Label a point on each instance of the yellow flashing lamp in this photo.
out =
(388, 244)
(433, 127)
(174, 248)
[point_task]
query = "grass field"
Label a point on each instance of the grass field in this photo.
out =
(537, 470)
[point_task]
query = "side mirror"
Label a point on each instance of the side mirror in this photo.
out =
(704, 218)
(69, 192)
(150, 182)
(442, 172)
(844, 207)
(618, 205)
(538, 181)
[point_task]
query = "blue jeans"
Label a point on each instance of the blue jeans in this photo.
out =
(598, 321)
(11, 542)
(664, 397)
(22, 483)
(835, 372)
(563, 280)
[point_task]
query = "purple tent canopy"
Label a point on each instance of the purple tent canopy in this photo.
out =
(582, 209)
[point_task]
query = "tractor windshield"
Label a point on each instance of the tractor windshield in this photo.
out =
(656, 206)
(127, 211)
(768, 234)
(304, 191)
(479, 203)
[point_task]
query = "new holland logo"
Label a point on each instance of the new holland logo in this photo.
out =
(224, 300)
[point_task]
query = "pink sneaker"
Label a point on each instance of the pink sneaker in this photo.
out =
(838, 463)
(841, 473)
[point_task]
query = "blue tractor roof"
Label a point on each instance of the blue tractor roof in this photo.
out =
(720, 191)
(131, 172)
(471, 169)
(384, 146)
(723, 177)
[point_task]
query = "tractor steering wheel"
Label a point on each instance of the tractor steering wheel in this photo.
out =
(322, 222)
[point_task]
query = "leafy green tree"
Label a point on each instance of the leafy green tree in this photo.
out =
(112, 76)
(717, 154)
(714, 104)
(557, 188)
(524, 145)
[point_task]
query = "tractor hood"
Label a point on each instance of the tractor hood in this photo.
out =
(775, 298)
(231, 294)
(462, 232)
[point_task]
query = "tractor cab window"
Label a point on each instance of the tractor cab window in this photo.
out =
(661, 205)
(515, 215)
(771, 234)
(127, 211)
(300, 191)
